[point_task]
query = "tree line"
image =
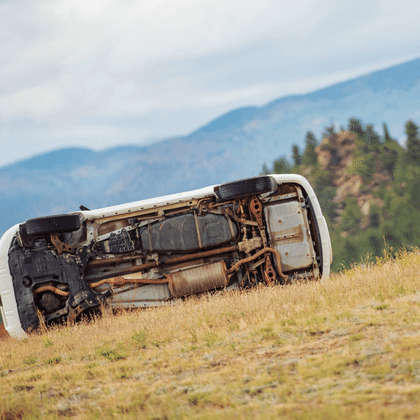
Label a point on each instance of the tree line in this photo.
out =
(393, 219)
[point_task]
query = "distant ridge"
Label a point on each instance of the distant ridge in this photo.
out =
(233, 118)
(56, 157)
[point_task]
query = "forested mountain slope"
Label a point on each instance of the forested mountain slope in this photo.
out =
(368, 186)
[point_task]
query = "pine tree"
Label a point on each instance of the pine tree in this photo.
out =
(296, 155)
(371, 137)
(356, 126)
(309, 154)
(413, 143)
(265, 170)
(387, 137)
(281, 166)
(329, 131)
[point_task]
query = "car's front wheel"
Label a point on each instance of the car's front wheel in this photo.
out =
(52, 224)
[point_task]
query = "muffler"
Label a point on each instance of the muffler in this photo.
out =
(197, 279)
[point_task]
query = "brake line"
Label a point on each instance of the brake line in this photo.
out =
(121, 281)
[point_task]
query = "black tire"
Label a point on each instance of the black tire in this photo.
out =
(247, 186)
(51, 224)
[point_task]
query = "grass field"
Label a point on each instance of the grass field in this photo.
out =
(345, 348)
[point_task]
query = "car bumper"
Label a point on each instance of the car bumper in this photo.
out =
(9, 309)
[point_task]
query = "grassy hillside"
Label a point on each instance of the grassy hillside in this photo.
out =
(348, 347)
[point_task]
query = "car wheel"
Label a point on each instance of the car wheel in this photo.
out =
(248, 186)
(51, 224)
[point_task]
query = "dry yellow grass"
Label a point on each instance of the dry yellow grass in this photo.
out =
(348, 347)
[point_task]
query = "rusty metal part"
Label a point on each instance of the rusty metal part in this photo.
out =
(197, 228)
(60, 245)
(111, 261)
(248, 222)
(235, 267)
(51, 289)
(242, 220)
(203, 254)
(168, 261)
(252, 267)
(197, 279)
(255, 208)
(269, 272)
(207, 202)
(145, 213)
(74, 313)
(121, 271)
(248, 245)
(121, 281)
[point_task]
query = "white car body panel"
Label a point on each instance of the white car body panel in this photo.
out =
(9, 310)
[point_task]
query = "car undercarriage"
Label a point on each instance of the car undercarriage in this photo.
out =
(245, 233)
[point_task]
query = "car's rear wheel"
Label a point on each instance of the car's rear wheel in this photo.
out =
(248, 186)
(51, 224)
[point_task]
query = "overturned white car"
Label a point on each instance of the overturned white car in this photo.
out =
(267, 229)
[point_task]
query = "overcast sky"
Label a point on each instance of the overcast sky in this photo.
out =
(103, 73)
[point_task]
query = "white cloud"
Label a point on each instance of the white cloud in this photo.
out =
(39, 101)
(175, 65)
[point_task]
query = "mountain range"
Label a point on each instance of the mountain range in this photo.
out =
(233, 146)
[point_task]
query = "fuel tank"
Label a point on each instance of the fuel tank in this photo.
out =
(187, 232)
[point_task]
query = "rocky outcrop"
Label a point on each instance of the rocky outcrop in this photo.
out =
(336, 156)
(348, 187)
(335, 153)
